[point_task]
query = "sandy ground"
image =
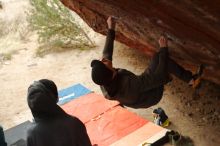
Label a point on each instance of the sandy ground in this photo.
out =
(195, 116)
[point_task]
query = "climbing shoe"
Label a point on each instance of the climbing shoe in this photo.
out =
(196, 80)
(174, 137)
(166, 123)
(160, 117)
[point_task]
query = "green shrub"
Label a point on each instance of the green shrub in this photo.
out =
(56, 27)
(8, 55)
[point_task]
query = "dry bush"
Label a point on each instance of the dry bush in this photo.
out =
(1, 5)
(56, 27)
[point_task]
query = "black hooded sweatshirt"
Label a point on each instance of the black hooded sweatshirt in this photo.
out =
(52, 126)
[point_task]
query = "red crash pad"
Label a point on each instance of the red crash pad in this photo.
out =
(113, 125)
(88, 106)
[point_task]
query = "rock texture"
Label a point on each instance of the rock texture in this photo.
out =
(193, 27)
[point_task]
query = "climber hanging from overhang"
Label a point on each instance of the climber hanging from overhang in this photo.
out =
(138, 91)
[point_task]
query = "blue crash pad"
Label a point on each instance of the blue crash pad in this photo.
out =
(72, 92)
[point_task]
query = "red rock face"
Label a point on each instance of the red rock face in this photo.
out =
(193, 27)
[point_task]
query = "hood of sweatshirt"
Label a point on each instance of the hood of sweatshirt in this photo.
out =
(42, 100)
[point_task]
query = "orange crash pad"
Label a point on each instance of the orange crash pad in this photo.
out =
(149, 133)
(88, 106)
(113, 125)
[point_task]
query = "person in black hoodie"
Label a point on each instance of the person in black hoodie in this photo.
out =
(52, 126)
(137, 91)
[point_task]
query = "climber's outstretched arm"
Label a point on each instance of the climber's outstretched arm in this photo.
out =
(109, 44)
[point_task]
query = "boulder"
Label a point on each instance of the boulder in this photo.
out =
(192, 26)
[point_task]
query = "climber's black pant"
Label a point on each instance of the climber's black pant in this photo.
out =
(173, 68)
(153, 96)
